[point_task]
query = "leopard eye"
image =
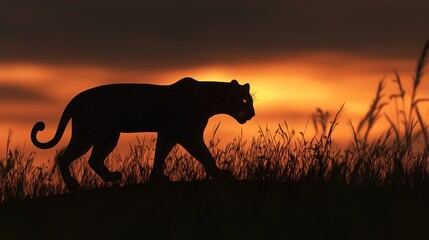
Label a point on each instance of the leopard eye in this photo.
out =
(244, 100)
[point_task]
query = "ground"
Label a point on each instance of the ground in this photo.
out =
(222, 210)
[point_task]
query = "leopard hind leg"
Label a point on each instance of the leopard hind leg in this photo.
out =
(76, 148)
(100, 150)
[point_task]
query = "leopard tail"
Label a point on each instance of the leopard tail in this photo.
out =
(40, 126)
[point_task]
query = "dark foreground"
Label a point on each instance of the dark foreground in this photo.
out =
(220, 210)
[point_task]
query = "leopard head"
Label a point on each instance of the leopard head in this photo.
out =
(241, 104)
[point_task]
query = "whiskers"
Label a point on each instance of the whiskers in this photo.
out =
(253, 95)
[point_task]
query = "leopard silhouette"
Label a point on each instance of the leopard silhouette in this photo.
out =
(178, 113)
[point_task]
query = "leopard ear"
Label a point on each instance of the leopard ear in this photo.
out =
(234, 82)
(247, 87)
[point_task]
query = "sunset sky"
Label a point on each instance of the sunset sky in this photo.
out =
(296, 55)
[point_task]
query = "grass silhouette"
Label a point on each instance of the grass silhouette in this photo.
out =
(373, 189)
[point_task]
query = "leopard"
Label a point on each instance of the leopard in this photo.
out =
(178, 113)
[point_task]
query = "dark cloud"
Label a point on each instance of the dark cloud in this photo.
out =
(16, 94)
(171, 33)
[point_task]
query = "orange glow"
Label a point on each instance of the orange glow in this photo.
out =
(286, 90)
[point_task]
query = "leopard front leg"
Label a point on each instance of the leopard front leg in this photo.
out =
(164, 144)
(197, 148)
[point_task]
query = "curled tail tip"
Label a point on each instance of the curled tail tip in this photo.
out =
(39, 126)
